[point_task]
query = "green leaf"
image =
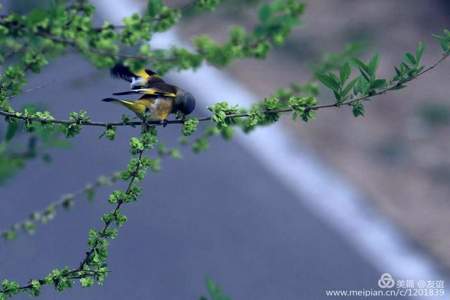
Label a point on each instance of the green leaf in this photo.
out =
(361, 86)
(35, 288)
(378, 84)
(373, 65)
(264, 13)
(397, 72)
(365, 74)
(358, 109)
(11, 131)
(37, 16)
(110, 133)
(344, 72)
(338, 96)
(329, 81)
(215, 291)
(419, 51)
(153, 7)
(362, 67)
(349, 87)
(405, 67)
(190, 126)
(86, 282)
(410, 58)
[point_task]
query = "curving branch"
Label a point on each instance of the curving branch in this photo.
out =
(87, 269)
(116, 209)
(351, 100)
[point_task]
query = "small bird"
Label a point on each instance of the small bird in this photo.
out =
(158, 100)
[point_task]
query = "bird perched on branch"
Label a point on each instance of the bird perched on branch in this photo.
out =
(158, 100)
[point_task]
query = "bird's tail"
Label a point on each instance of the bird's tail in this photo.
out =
(127, 103)
(111, 100)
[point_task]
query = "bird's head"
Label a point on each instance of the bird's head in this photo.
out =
(184, 102)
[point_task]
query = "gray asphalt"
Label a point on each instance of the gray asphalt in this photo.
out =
(219, 214)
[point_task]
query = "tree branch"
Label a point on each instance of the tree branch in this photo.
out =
(116, 209)
(81, 271)
(348, 102)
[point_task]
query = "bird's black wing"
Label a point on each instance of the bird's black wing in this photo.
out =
(122, 71)
(155, 87)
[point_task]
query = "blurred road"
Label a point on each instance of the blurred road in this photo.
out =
(226, 217)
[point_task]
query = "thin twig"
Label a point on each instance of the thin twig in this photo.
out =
(62, 202)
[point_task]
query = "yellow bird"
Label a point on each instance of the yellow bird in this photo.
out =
(159, 98)
(157, 108)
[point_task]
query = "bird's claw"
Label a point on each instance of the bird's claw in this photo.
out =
(164, 123)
